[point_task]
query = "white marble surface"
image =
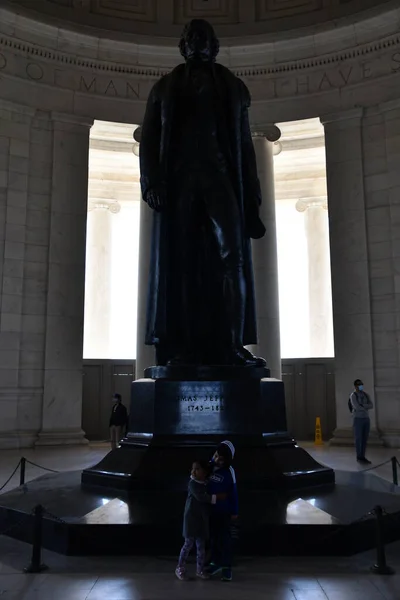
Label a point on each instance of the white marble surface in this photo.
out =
(349, 262)
(319, 274)
(43, 262)
(89, 77)
(383, 220)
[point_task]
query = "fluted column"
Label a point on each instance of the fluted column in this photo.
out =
(61, 418)
(319, 284)
(265, 258)
(98, 278)
(351, 291)
(145, 355)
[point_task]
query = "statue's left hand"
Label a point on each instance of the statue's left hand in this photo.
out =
(156, 198)
(255, 229)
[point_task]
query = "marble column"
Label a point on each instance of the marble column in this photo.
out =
(319, 284)
(351, 294)
(62, 397)
(145, 355)
(98, 278)
(265, 259)
(381, 152)
(23, 270)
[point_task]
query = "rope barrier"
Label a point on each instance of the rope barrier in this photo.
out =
(394, 462)
(380, 567)
(11, 476)
(22, 465)
(40, 467)
(378, 466)
(36, 565)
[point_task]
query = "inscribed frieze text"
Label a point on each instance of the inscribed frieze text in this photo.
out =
(263, 87)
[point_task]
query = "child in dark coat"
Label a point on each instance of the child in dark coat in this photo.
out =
(222, 481)
(196, 519)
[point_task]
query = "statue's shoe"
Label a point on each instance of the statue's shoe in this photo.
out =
(244, 358)
(182, 360)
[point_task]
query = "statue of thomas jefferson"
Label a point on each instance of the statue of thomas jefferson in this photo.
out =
(199, 175)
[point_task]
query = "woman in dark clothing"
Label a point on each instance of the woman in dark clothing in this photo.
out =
(118, 421)
(195, 519)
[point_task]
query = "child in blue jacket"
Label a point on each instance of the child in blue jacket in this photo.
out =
(222, 481)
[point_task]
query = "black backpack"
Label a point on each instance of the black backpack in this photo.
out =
(349, 404)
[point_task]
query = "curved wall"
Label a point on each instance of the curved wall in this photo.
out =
(313, 72)
(55, 80)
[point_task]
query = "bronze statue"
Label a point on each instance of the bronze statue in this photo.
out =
(199, 175)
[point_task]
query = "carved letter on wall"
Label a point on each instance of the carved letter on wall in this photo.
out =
(131, 91)
(84, 87)
(396, 60)
(344, 76)
(324, 84)
(366, 70)
(34, 71)
(111, 89)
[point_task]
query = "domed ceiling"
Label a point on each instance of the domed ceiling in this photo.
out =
(164, 18)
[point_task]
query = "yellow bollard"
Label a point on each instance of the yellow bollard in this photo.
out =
(318, 433)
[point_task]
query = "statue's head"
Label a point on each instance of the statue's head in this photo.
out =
(198, 41)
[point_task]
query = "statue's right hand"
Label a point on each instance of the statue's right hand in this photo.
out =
(156, 198)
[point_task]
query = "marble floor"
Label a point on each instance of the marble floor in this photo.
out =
(133, 578)
(142, 578)
(79, 457)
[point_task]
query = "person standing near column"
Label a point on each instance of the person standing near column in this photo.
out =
(118, 421)
(360, 403)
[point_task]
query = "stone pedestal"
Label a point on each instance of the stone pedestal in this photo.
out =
(174, 421)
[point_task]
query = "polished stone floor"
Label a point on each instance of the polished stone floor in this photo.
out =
(80, 457)
(124, 578)
(112, 578)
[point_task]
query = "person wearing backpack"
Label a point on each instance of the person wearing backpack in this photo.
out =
(359, 404)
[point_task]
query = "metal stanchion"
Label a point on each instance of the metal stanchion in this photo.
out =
(36, 565)
(380, 568)
(22, 471)
(394, 470)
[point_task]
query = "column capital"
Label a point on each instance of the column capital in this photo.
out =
(303, 204)
(137, 137)
(137, 134)
(269, 131)
(101, 204)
